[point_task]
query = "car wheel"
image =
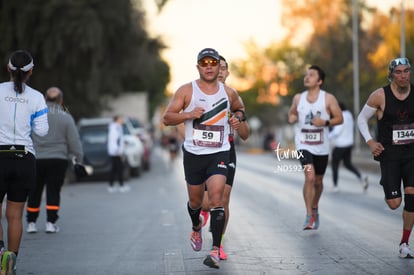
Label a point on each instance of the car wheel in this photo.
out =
(146, 165)
(136, 171)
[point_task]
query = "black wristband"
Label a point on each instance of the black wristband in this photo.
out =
(327, 123)
(243, 118)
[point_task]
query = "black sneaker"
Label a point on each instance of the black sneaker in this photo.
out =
(212, 260)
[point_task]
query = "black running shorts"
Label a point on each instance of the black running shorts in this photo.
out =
(231, 166)
(198, 168)
(319, 162)
(392, 173)
(17, 175)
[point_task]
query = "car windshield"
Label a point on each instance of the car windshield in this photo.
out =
(93, 137)
(135, 123)
(125, 129)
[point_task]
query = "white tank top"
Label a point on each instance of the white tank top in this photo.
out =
(208, 134)
(309, 137)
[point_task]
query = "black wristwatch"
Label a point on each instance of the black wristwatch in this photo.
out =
(243, 118)
(327, 123)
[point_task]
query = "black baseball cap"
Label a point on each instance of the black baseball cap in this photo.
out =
(208, 52)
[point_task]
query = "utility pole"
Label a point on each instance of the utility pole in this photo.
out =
(402, 35)
(355, 62)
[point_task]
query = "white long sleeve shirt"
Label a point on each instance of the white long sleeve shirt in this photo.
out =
(20, 115)
(343, 134)
(115, 140)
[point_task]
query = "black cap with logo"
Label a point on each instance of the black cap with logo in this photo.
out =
(208, 52)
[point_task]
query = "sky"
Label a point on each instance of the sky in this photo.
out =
(187, 26)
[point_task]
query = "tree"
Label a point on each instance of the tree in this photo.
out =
(330, 42)
(387, 30)
(320, 32)
(265, 78)
(89, 48)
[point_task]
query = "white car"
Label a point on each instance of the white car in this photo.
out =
(94, 137)
(135, 127)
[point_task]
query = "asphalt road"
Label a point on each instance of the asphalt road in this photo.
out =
(146, 231)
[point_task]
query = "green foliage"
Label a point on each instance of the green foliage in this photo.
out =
(268, 113)
(89, 48)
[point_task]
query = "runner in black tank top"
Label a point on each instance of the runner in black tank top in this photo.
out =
(394, 147)
(396, 112)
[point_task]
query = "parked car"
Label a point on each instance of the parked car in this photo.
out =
(93, 133)
(135, 127)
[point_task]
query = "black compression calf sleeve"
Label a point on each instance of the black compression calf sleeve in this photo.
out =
(217, 224)
(194, 215)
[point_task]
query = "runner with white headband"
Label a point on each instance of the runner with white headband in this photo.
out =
(23, 111)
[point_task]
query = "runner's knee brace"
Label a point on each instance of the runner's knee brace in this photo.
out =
(409, 202)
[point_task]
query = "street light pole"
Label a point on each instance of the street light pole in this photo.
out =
(402, 35)
(355, 62)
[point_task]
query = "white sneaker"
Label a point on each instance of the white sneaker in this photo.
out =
(31, 227)
(405, 251)
(51, 228)
(112, 189)
(124, 188)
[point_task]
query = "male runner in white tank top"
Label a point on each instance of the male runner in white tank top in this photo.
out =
(243, 132)
(314, 111)
(203, 105)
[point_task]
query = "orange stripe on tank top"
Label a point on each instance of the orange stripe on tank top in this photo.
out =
(216, 118)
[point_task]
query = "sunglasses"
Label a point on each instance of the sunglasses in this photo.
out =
(400, 61)
(395, 63)
(205, 62)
